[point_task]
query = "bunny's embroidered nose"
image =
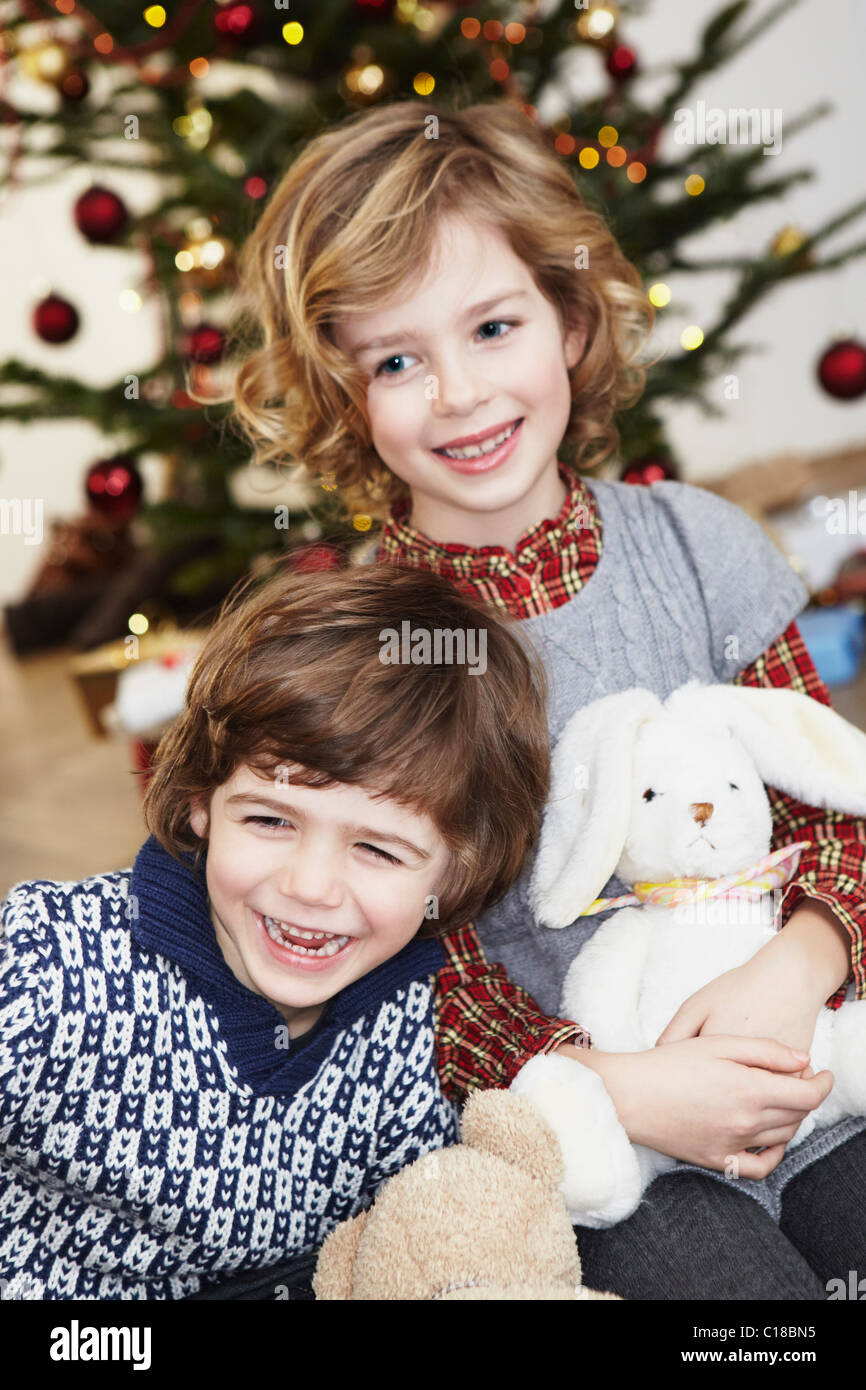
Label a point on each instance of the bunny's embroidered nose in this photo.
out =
(701, 810)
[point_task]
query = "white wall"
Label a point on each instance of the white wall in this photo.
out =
(816, 52)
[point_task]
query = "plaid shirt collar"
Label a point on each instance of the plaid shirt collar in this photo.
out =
(553, 559)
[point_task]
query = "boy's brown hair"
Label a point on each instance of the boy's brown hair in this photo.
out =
(354, 220)
(293, 674)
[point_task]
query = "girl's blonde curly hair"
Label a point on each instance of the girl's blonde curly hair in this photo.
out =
(353, 220)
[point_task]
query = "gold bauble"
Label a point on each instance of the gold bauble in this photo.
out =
(597, 24)
(786, 241)
(364, 83)
(205, 261)
(46, 62)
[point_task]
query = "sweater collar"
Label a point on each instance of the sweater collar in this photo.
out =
(170, 915)
(570, 537)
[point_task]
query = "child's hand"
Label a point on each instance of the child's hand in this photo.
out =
(780, 991)
(708, 1100)
(759, 999)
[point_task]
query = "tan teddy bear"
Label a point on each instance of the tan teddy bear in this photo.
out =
(480, 1220)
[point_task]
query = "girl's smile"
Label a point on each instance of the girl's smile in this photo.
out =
(449, 384)
(478, 458)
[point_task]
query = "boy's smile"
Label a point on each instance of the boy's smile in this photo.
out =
(438, 382)
(304, 949)
(312, 887)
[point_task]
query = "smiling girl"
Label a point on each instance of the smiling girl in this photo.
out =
(448, 333)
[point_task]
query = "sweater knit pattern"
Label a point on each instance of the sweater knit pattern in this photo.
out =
(139, 1157)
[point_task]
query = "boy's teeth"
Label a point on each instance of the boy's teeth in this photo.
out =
(301, 931)
(476, 450)
(322, 943)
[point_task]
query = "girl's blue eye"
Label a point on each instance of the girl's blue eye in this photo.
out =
(396, 358)
(494, 322)
(509, 323)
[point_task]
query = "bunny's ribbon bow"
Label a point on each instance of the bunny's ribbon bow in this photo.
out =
(759, 878)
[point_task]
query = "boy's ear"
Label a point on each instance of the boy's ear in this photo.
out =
(198, 818)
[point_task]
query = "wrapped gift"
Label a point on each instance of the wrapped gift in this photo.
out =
(835, 638)
(150, 672)
(150, 694)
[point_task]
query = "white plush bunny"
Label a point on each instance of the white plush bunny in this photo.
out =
(656, 792)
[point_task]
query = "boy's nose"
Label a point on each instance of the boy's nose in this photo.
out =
(310, 879)
(701, 811)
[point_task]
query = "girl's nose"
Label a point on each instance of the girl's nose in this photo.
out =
(460, 387)
(701, 811)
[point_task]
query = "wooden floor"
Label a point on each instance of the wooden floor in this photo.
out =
(70, 804)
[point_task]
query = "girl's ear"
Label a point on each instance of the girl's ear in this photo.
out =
(798, 745)
(575, 343)
(586, 819)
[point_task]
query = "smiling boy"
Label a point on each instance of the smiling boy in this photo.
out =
(324, 827)
(308, 890)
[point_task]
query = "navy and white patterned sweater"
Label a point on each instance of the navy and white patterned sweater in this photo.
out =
(154, 1135)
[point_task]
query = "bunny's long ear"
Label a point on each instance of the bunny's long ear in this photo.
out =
(586, 818)
(798, 745)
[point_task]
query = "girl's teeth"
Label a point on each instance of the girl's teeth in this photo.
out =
(473, 451)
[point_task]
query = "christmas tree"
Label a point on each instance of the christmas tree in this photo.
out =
(217, 155)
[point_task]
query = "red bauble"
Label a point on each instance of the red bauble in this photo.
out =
(205, 344)
(143, 750)
(114, 487)
(55, 320)
(316, 556)
(100, 215)
(239, 22)
(652, 469)
(74, 86)
(375, 9)
(621, 62)
(842, 369)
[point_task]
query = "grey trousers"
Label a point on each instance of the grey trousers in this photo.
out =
(693, 1238)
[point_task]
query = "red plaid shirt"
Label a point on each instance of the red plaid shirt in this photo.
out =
(488, 1026)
